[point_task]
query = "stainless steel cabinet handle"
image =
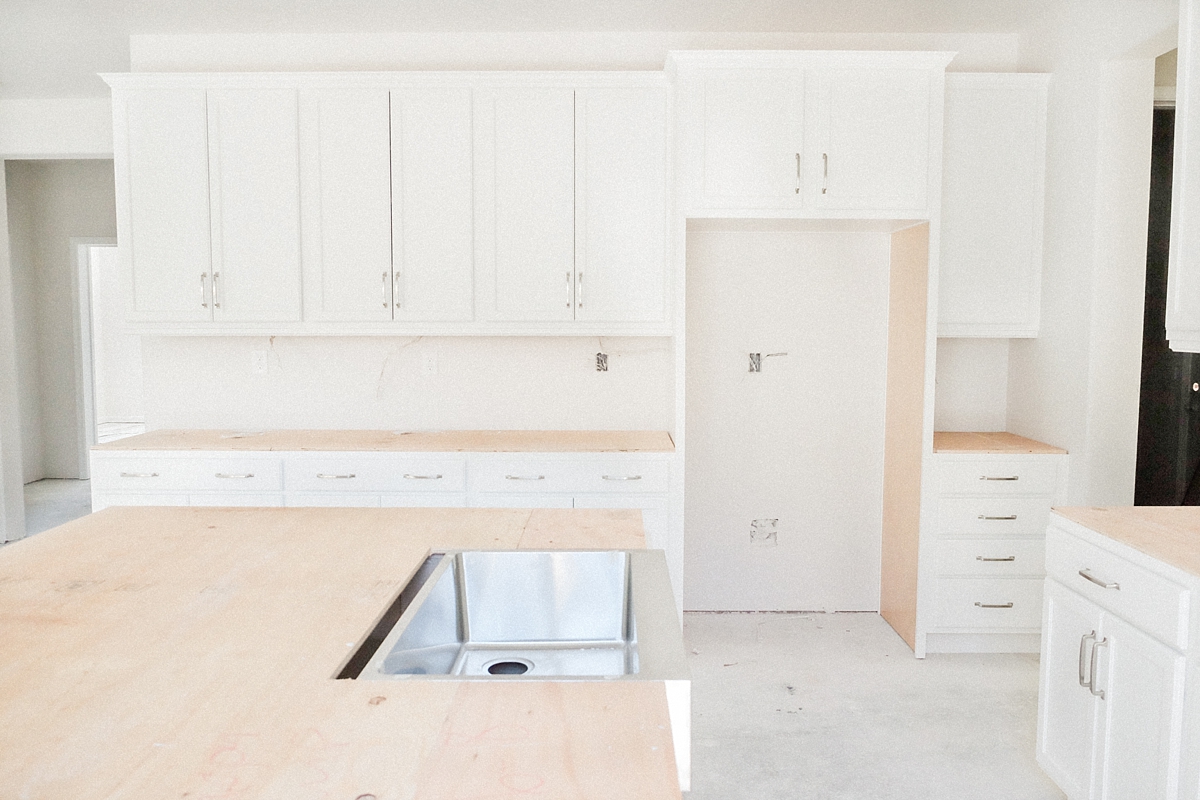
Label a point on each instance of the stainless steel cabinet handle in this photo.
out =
(1087, 575)
(993, 605)
(579, 290)
(1083, 658)
(621, 477)
(215, 295)
(985, 558)
(397, 290)
(797, 173)
(1005, 517)
(569, 286)
(139, 474)
(231, 475)
(386, 302)
(204, 290)
(328, 477)
(409, 477)
(999, 478)
(1092, 678)
(825, 175)
(524, 477)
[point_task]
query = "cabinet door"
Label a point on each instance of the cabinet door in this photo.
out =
(1067, 714)
(871, 148)
(1142, 715)
(745, 129)
(993, 179)
(433, 247)
(620, 204)
(162, 187)
(254, 166)
(346, 204)
(529, 136)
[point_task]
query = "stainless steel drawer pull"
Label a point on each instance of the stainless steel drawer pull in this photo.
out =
(1087, 574)
(999, 478)
(230, 475)
(1083, 657)
(1092, 677)
(524, 477)
(325, 476)
(621, 477)
(1005, 517)
(993, 605)
(139, 474)
(410, 477)
(985, 558)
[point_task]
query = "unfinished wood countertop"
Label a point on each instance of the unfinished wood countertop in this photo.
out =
(1170, 534)
(402, 441)
(990, 442)
(190, 652)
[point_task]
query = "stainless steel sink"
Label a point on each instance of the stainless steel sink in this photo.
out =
(566, 614)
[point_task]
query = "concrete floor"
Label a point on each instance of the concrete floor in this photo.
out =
(834, 706)
(52, 502)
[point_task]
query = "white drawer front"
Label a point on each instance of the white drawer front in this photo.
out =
(105, 499)
(424, 500)
(618, 476)
(993, 516)
(141, 474)
(1147, 601)
(996, 558)
(237, 499)
(237, 475)
(373, 473)
(332, 500)
(530, 500)
(998, 476)
(989, 603)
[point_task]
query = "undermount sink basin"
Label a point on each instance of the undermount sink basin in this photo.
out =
(535, 615)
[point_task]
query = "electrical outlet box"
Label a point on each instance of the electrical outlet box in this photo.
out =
(756, 362)
(601, 362)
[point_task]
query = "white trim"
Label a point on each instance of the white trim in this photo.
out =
(85, 379)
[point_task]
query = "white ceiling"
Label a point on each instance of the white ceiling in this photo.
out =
(54, 48)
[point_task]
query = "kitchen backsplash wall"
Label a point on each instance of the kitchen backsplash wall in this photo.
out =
(972, 385)
(408, 383)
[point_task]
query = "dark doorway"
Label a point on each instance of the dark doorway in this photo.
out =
(1169, 417)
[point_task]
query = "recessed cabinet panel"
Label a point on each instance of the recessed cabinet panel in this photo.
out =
(346, 204)
(620, 204)
(255, 197)
(432, 204)
(751, 124)
(871, 149)
(162, 186)
(532, 142)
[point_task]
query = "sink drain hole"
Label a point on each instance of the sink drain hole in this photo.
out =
(508, 668)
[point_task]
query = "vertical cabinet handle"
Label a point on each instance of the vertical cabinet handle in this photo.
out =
(216, 298)
(569, 287)
(797, 173)
(824, 173)
(1092, 677)
(1083, 658)
(397, 287)
(204, 290)
(579, 290)
(386, 302)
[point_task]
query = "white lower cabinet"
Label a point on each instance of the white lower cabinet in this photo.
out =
(1111, 696)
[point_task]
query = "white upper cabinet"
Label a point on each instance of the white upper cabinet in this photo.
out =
(620, 204)
(807, 134)
(432, 173)
(161, 162)
(254, 179)
(346, 202)
(993, 189)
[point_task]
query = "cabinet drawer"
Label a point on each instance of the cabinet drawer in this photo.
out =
(993, 516)
(237, 499)
(141, 474)
(102, 500)
(332, 500)
(991, 557)
(236, 475)
(546, 476)
(339, 472)
(424, 500)
(527, 500)
(989, 603)
(1000, 476)
(1145, 600)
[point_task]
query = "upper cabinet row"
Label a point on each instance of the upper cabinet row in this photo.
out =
(441, 207)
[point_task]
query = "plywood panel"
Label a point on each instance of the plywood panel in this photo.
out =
(989, 442)
(903, 438)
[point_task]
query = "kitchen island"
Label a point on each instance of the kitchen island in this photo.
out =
(191, 652)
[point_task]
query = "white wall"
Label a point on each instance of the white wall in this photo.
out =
(972, 385)
(56, 127)
(802, 441)
(54, 201)
(382, 383)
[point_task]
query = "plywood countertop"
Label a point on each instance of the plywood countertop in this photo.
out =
(189, 652)
(402, 441)
(990, 442)
(1170, 534)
